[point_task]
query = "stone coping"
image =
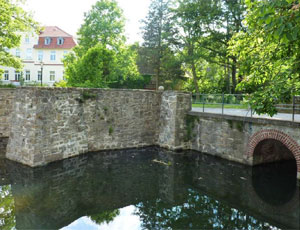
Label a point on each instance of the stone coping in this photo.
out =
(98, 89)
(258, 120)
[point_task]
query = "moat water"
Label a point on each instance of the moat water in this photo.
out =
(148, 188)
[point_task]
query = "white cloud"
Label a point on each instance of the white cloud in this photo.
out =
(126, 220)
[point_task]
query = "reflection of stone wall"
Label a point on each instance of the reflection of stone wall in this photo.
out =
(53, 123)
(54, 196)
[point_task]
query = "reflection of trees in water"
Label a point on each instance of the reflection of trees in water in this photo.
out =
(7, 210)
(105, 217)
(198, 212)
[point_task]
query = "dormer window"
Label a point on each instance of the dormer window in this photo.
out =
(47, 41)
(60, 41)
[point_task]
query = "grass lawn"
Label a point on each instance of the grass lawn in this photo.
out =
(220, 106)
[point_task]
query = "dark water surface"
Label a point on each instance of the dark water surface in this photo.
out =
(148, 188)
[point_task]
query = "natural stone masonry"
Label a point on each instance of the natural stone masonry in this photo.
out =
(236, 138)
(48, 124)
(172, 131)
(56, 123)
(7, 97)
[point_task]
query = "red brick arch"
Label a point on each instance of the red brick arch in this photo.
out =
(274, 134)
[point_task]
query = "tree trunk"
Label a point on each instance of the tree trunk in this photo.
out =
(233, 75)
(194, 73)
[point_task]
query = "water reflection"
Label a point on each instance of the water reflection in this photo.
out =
(146, 188)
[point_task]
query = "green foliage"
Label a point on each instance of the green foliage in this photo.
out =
(61, 83)
(7, 85)
(7, 214)
(203, 30)
(104, 24)
(156, 53)
(190, 125)
(105, 217)
(102, 60)
(101, 67)
(13, 21)
(269, 56)
(110, 130)
(87, 95)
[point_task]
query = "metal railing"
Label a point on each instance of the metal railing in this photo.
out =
(237, 104)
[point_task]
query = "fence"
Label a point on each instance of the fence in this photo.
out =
(237, 104)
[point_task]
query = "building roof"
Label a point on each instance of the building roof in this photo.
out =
(54, 33)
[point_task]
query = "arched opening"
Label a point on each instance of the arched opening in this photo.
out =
(274, 178)
(271, 150)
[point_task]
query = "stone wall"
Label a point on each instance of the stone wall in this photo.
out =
(172, 130)
(6, 100)
(56, 123)
(235, 138)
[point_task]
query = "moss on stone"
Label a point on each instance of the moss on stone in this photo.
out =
(190, 125)
(110, 130)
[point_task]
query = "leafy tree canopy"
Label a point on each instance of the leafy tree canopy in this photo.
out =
(269, 53)
(100, 67)
(102, 59)
(104, 23)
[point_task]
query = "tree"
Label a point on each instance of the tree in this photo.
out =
(204, 29)
(104, 23)
(101, 67)
(156, 31)
(101, 59)
(105, 217)
(13, 21)
(269, 53)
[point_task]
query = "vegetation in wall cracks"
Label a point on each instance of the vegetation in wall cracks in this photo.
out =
(86, 96)
(110, 130)
(239, 125)
(190, 125)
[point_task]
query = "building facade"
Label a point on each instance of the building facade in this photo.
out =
(41, 56)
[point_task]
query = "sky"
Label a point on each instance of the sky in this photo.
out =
(126, 220)
(68, 14)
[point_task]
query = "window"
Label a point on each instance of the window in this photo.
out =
(47, 41)
(17, 75)
(53, 56)
(52, 75)
(18, 53)
(65, 53)
(27, 75)
(40, 55)
(6, 75)
(29, 53)
(27, 40)
(39, 75)
(60, 41)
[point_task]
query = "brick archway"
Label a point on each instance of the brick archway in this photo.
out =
(274, 134)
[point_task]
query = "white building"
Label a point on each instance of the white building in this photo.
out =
(41, 56)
